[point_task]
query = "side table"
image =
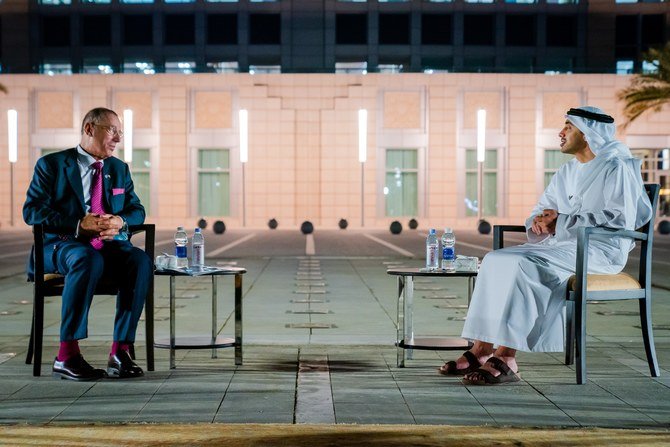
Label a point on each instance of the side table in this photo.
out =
(173, 343)
(405, 327)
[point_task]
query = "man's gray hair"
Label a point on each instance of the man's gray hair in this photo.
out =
(95, 116)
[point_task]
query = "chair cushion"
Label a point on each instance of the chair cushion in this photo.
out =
(53, 277)
(620, 281)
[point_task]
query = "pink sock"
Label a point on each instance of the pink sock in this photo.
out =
(117, 345)
(67, 350)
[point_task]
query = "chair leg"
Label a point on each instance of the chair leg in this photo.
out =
(149, 325)
(580, 345)
(569, 333)
(29, 355)
(38, 326)
(648, 337)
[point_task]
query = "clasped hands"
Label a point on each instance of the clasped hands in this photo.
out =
(545, 223)
(103, 226)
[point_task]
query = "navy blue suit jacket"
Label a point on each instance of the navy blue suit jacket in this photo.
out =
(55, 197)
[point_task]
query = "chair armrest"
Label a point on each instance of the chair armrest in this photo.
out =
(38, 255)
(583, 237)
(498, 230)
(149, 237)
(614, 232)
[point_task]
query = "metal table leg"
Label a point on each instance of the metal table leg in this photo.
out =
(400, 323)
(409, 314)
(214, 317)
(172, 321)
(238, 319)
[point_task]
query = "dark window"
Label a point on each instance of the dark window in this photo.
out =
(561, 31)
(478, 63)
(264, 29)
(436, 29)
(520, 30)
(479, 29)
(138, 29)
(56, 31)
(351, 29)
(96, 30)
(652, 30)
(179, 29)
(222, 29)
(519, 64)
(626, 30)
(393, 29)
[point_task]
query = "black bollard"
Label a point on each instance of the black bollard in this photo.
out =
(219, 227)
(483, 227)
(307, 227)
(272, 223)
(396, 227)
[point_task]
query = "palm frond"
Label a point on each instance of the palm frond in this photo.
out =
(648, 91)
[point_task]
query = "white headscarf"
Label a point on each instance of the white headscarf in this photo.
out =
(599, 134)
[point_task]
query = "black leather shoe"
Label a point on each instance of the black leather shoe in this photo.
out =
(121, 366)
(76, 368)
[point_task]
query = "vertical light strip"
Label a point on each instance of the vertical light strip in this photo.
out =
(481, 135)
(12, 135)
(128, 136)
(362, 135)
(244, 136)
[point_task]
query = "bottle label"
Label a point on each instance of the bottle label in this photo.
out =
(448, 253)
(198, 254)
(180, 252)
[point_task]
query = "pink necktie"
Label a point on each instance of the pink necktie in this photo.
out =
(96, 198)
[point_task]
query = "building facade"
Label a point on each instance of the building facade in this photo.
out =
(304, 161)
(327, 36)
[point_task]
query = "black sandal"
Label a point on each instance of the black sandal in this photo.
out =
(449, 368)
(506, 374)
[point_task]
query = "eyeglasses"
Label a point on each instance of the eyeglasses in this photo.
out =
(111, 130)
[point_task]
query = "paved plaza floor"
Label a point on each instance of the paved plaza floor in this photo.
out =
(324, 352)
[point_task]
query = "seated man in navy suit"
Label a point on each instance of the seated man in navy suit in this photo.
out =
(85, 199)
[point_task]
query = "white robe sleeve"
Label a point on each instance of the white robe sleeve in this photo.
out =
(612, 203)
(548, 200)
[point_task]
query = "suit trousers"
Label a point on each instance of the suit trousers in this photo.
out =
(83, 267)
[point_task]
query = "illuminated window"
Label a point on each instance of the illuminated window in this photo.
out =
(180, 67)
(553, 159)
(401, 188)
(139, 67)
(490, 182)
(213, 182)
(140, 169)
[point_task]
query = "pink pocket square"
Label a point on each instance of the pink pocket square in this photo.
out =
(117, 191)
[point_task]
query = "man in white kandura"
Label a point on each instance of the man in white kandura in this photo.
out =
(519, 301)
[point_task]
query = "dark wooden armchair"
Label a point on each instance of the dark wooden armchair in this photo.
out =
(51, 284)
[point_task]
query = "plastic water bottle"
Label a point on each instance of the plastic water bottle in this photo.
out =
(180, 250)
(432, 250)
(448, 253)
(198, 249)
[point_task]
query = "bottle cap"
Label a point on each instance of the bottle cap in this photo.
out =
(447, 230)
(432, 231)
(197, 230)
(180, 228)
